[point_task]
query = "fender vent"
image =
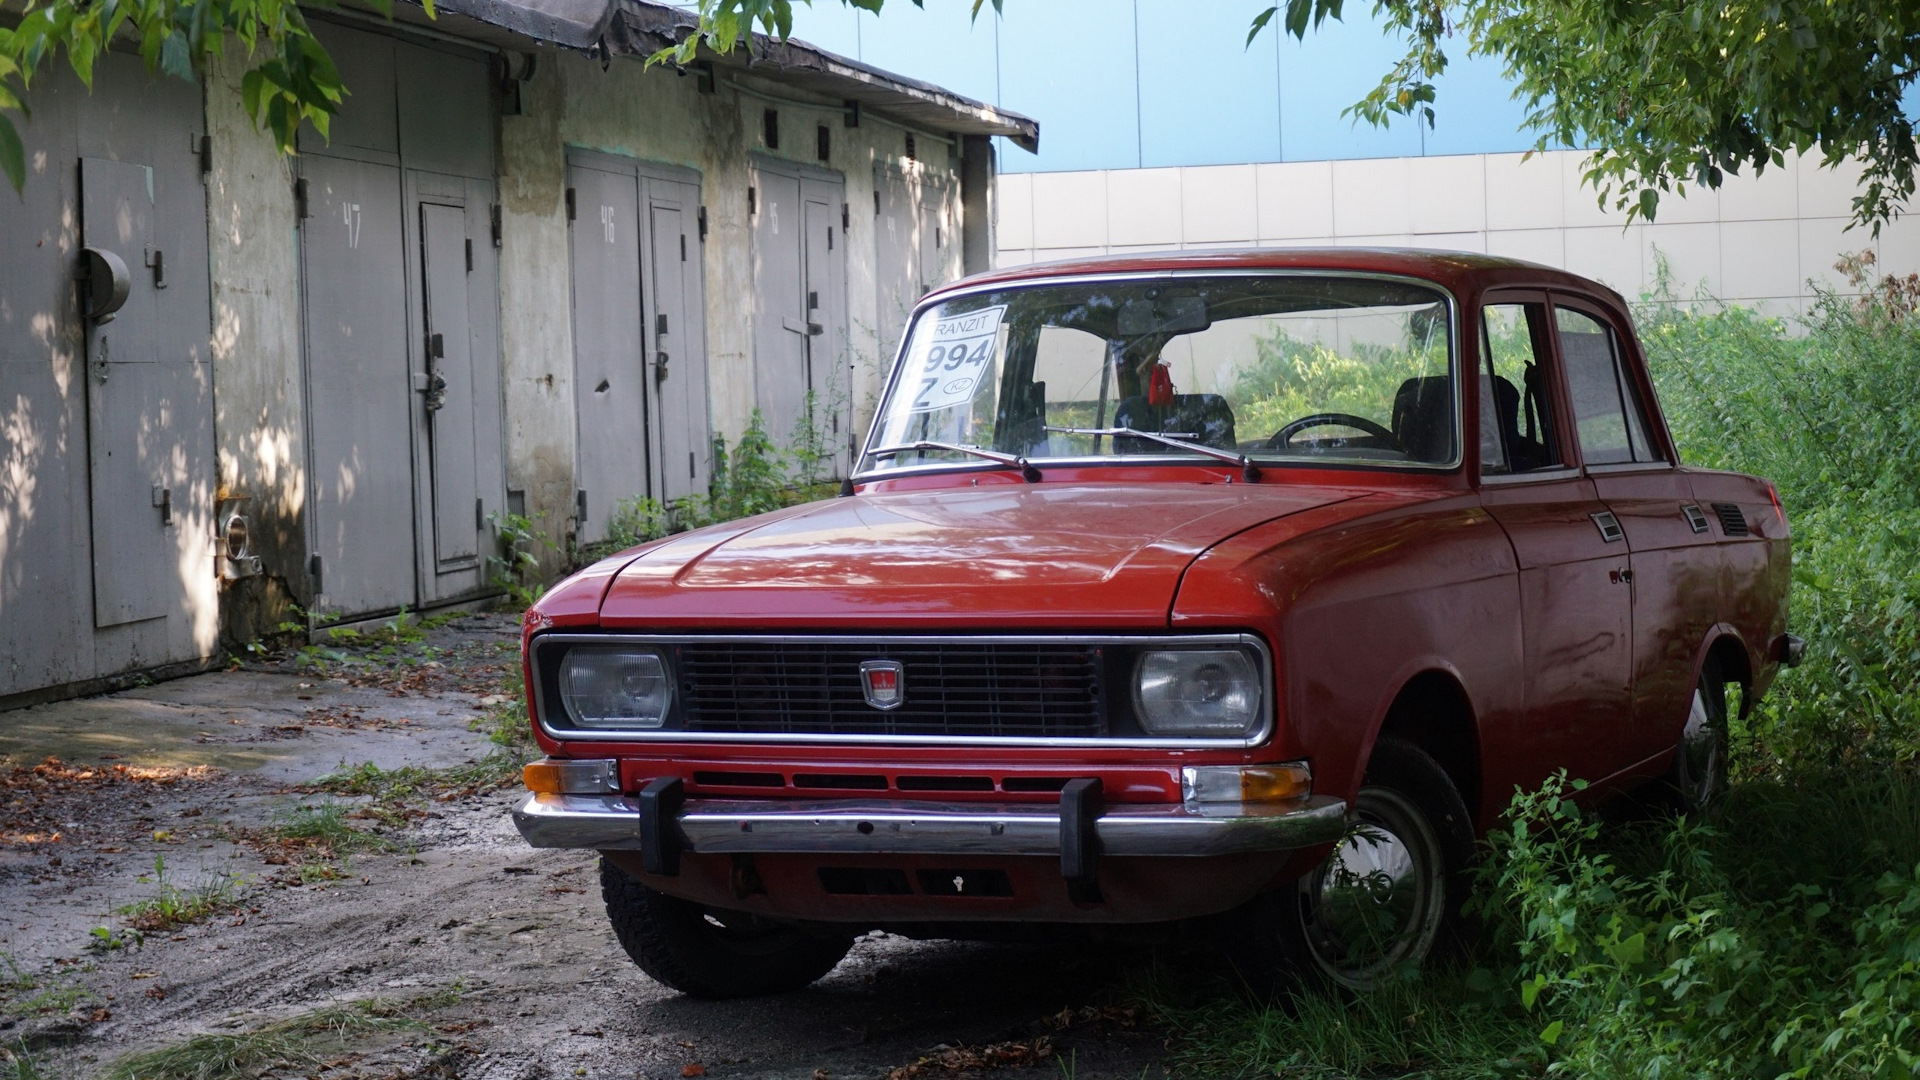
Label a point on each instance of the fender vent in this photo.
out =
(1732, 521)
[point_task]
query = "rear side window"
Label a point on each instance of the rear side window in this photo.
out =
(1607, 412)
(1516, 424)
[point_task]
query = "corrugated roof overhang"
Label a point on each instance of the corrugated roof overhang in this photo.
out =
(636, 28)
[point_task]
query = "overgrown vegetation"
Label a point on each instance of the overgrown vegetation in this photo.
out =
(1783, 938)
(754, 477)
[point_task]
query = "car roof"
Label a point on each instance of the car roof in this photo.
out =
(1461, 272)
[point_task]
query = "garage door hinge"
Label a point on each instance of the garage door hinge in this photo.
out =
(495, 219)
(570, 207)
(703, 224)
(300, 198)
(203, 148)
(479, 514)
(752, 202)
(846, 217)
(579, 505)
(469, 254)
(683, 247)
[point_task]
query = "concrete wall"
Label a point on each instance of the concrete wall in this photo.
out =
(1756, 241)
(259, 411)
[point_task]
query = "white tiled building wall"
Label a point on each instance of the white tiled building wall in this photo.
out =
(1756, 241)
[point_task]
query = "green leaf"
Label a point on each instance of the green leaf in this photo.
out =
(1649, 202)
(175, 59)
(13, 156)
(1551, 1033)
(1260, 22)
(1298, 12)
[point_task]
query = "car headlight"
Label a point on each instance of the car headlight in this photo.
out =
(1198, 692)
(615, 687)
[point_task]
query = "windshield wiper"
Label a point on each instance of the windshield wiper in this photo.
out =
(1248, 470)
(1014, 461)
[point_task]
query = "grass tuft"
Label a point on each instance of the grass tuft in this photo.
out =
(308, 1039)
(173, 906)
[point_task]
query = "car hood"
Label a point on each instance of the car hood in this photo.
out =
(1084, 554)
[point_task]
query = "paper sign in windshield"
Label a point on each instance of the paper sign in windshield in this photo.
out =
(946, 368)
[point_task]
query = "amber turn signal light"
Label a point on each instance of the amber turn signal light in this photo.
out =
(1245, 783)
(555, 776)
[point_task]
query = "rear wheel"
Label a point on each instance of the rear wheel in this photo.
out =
(1697, 780)
(1381, 901)
(712, 953)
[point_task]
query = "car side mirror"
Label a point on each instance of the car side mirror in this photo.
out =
(104, 284)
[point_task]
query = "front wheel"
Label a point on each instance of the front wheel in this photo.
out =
(1379, 903)
(710, 953)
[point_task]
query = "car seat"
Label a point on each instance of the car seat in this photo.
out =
(1206, 417)
(1423, 418)
(1524, 452)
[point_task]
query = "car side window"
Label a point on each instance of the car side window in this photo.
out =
(1516, 423)
(1607, 412)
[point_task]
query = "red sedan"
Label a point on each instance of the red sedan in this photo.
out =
(1165, 587)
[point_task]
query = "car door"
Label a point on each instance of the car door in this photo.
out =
(1575, 603)
(1626, 451)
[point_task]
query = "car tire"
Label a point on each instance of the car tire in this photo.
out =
(1697, 781)
(1386, 896)
(710, 953)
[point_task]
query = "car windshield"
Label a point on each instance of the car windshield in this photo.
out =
(1300, 368)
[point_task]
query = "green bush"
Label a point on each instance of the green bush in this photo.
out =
(757, 476)
(1830, 416)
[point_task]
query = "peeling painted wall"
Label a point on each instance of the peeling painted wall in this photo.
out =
(254, 441)
(259, 413)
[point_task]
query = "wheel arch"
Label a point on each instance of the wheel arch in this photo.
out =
(1728, 652)
(1433, 711)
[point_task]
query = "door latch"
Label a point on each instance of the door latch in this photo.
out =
(163, 501)
(660, 366)
(435, 392)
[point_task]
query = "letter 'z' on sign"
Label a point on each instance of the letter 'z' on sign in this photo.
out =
(884, 682)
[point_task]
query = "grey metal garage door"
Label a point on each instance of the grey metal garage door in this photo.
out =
(639, 336)
(106, 428)
(400, 284)
(802, 366)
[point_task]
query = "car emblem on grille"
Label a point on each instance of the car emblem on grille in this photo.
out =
(884, 682)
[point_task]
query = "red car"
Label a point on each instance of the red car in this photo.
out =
(1166, 586)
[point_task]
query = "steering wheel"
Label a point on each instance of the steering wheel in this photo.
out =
(1284, 437)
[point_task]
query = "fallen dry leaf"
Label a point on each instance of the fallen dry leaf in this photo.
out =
(1006, 1055)
(694, 1069)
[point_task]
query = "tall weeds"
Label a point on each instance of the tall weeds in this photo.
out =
(1783, 939)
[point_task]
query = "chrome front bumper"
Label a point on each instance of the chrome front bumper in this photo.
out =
(887, 827)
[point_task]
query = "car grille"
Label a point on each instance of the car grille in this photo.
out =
(1023, 690)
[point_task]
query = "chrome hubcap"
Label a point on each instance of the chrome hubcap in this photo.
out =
(1376, 903)
(1701, 749)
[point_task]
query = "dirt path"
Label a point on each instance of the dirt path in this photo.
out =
(444, 949)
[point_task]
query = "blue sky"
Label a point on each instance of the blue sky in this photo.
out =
(1133, 83)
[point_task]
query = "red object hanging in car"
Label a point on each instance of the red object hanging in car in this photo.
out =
(1160, 388)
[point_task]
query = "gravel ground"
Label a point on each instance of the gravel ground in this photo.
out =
(453, 950)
